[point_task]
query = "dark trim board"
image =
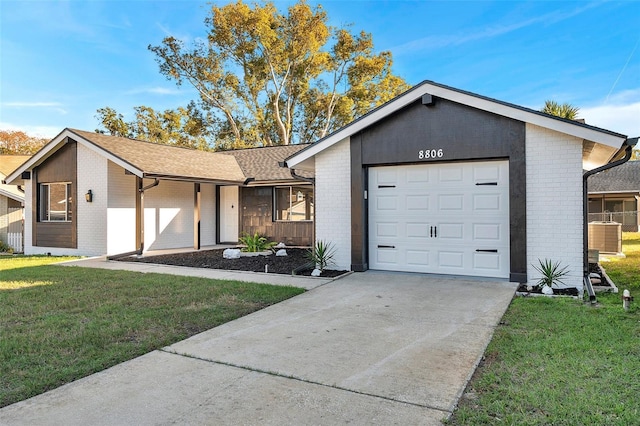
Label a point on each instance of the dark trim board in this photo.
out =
(463, 134)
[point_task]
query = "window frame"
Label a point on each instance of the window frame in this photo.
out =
(44, 210)
(309, 190)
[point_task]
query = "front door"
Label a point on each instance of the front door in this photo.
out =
(229, 217)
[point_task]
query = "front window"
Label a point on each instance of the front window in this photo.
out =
(55, 202)
(293, 203)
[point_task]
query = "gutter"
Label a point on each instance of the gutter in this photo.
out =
(626, 149)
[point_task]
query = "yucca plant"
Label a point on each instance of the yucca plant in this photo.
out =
(255, 243)
(552, 273)
(321, 255)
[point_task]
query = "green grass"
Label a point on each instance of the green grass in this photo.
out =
(562, 361)
(58, 324)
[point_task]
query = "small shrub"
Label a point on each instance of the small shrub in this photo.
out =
(255, 243)
(552, 273)
(322, 254)
(5, 248)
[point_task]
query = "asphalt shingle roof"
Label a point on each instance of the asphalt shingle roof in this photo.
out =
(624, 178)
(262, 163)
(166, 160)
(9, 163)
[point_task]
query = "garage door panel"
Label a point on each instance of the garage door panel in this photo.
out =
(487, 232)
(387, 229)
(485, 202)
(451, 202)
(451, 173)
(418, 258)
(483, 173)
(387, 202)
(451, 259)
(417, 230)
(450, 231)
(417, 203)
(440, 218)
(487, 262)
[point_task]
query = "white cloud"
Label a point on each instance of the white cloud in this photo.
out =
(32, 104)
(620, 118)
(48, 132)
(153, 91)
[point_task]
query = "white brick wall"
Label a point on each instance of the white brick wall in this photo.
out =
(333, 200)
(121, 211)
(554, 201)
(92, 217)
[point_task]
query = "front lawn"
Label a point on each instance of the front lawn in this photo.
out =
(562, 361)
(58, 324)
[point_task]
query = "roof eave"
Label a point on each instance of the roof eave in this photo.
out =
(526, 115)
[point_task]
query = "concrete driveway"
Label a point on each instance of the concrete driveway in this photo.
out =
(371, 348)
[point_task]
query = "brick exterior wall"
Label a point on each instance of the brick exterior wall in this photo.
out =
(91, 217)
(554, 201)
(333, 200)
(121, 211)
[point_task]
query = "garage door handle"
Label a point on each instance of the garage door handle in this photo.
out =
(433, 231)
(487, 251)
(379, 246)
(386, 186)
(487, 183)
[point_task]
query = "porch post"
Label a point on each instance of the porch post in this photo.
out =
(197, 195)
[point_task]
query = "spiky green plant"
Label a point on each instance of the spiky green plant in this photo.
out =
(322, 254)
(552, 273)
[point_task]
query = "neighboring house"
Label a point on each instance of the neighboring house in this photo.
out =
(449, 182)
(92, 194)
(614, 196)
(11, 203)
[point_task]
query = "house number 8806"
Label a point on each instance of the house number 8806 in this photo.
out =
(430, 153)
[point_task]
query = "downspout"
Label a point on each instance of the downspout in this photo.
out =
(628, 148)
(140, 231)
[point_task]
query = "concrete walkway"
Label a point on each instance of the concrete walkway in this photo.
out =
(256, 277)
(370, 348)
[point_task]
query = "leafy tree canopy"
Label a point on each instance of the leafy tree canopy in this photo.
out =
(267, 78)
(19, 143)
(186, 127)
(565, 110)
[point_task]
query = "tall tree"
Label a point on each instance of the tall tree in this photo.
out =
(19, 143)
(270, 78)
(565, 110)
(186, 127)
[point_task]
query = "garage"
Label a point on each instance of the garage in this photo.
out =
(450, 218)
(447, 182)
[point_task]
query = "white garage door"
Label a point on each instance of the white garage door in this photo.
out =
(440, 218)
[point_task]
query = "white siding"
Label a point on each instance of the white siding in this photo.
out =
(333, 200)
(554, 201)
(121, 212)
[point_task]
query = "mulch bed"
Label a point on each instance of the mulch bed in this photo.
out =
(213, 259)
(570, 291)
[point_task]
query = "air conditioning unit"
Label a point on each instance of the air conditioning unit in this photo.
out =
(605, 237)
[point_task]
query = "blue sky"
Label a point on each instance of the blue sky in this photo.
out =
(62, 60)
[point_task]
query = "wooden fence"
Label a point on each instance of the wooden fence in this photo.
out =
(15, 231)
